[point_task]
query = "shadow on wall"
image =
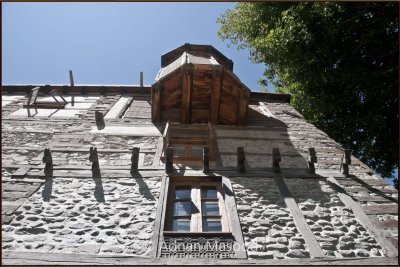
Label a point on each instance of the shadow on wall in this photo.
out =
(262, 134)
(144, 190)
(47, 189)
(98, 189)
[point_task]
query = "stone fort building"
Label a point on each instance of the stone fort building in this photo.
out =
(195, 169)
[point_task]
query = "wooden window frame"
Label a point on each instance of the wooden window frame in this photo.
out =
(231, 215)
(197, 215)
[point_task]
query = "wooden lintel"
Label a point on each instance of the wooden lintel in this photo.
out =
(156, 102)
(187, 84)
(216, 93)
(44, 106)
(243, 107)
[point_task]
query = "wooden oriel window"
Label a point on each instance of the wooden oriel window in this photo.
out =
(196, 206)
(188, 141)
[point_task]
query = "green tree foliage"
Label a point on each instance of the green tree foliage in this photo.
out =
(338, 60)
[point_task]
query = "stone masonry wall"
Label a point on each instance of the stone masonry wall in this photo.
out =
(335, 227)
(73, 215)
(377, 198)
(267, 225)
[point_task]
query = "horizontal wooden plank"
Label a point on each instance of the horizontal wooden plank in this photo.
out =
(349, 181)
(388, 224)
(380, 209)
(46, 258)
(17, 187)
(374, 199)
(365, 189)
(21, 171)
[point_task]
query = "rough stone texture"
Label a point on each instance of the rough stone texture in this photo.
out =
(333, 224)
(87, 216)
(363, 185)
(267, 224)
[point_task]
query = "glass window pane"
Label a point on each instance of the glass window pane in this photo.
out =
(208, 192)
(181, 225)
(183, 192)
(210, 208)
(183, 208)
(212, 225)
(197, 151)
(179, 150)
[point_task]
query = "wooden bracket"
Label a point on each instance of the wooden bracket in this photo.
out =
(94, 158)
(71, 78)
(276, 159)
(346, 161)
(312, 158)
(47, 158)
(169, 160)
(99, 118)
(206, 160)
(135, 160)
(240, 160)
(32, 100)
(156, 102)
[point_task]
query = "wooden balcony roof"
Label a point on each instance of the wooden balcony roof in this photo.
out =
(196, 85)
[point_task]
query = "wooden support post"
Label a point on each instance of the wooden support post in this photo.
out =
(141, 79)
(169, 160)
(94, 158)
(276, 158)
(206, 160)
(135, 160)
(243, 107)
(346, 161)
(312, 158)
(156, 102)
(71, 79)
(216, 93)
(47, 158)
(186, 93)
(240, 160)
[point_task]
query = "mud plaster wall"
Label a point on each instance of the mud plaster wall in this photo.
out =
(72, 215)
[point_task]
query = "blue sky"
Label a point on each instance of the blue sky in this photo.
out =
(107, 43)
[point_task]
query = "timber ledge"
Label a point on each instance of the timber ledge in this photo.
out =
(37, 258)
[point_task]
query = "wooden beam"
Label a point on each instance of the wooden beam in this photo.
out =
(241, 167)
(233, 217)
(187, 84)
(216, 93)
(156, 102)
(135, 160)
(159, 214)
(243, 107)
(206, 160)
(299, 220)
(10, 257)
